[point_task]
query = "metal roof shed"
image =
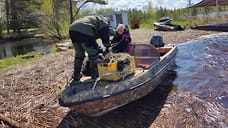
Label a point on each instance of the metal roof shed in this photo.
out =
(207, 3)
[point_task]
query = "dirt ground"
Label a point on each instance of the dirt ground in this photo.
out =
(169, 37)
(28, 93)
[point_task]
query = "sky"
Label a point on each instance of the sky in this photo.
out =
(141, 4)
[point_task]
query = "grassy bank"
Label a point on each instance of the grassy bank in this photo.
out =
(6, 63)
(25, 33)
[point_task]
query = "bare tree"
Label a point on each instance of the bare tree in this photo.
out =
(55, 18)
(71, 12)
(82, 3)
(7, 15)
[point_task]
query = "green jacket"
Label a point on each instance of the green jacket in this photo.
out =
(89, 25)
(94, 26)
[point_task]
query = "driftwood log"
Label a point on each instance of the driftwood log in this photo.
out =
(10, 121)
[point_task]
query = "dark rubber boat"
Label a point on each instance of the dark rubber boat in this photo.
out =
(164, 24)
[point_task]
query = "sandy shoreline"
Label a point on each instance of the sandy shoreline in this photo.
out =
(29, 93)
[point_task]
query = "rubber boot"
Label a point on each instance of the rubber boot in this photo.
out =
(77, 69)
(93, 69)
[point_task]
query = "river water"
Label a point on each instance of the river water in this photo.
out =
(194, 93)
(203, 67)
(20, 47)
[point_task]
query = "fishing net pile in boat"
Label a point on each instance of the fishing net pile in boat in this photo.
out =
(122, 59)
(116, 57)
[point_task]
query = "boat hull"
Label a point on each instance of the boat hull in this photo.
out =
(102, 106)
(169, 27)
(140, 87)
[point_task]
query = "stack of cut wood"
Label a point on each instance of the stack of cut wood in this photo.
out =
(63, 46)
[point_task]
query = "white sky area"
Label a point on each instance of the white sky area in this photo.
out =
(141, 4)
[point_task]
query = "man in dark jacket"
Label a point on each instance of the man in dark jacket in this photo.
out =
(121, 39)
(83, 33)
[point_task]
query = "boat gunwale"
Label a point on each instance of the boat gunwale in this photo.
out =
(127, 89)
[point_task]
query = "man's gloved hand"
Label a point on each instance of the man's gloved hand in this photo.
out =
(110, 49)
(101, 56)
(102, 49)
(107, 45)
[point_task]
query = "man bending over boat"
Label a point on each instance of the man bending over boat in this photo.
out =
(121, 39)
(83, 33)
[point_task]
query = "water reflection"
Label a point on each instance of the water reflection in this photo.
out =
(20, 47)
(138, 114)
(203, 68)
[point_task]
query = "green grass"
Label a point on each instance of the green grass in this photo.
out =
(149, 26)
(11, 61)
(53, 48)
(183, 23)
(21, 59)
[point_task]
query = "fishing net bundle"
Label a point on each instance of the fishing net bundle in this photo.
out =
(122, 59)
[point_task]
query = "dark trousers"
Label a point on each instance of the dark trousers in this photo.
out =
(82, 43)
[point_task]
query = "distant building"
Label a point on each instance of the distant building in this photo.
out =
(115, 18)
(135, 23)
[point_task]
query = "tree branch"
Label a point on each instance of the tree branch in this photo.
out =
(87, 1)
(78, 9)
